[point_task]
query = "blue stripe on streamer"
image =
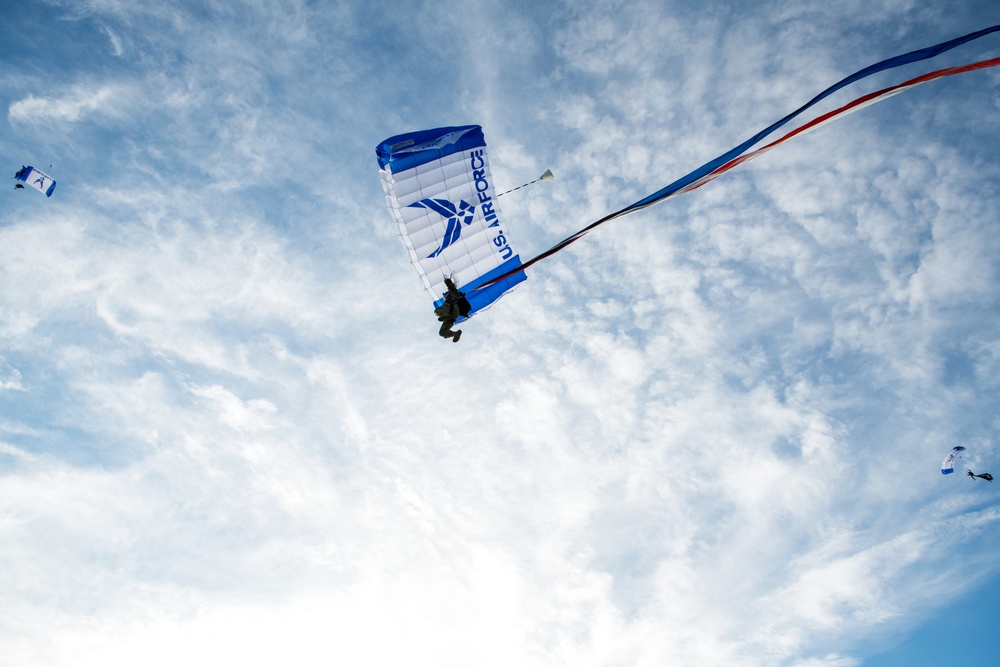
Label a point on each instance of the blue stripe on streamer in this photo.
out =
(889, 63)
(710, 167)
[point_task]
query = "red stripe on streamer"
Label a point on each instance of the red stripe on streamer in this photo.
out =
(857, 104)
(866, 100)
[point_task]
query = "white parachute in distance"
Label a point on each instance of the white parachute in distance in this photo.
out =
(439, 191)
(37, 179)
(948, 465)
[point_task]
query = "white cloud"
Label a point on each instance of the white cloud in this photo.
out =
(116, 42)
(705, 434)
(77, 103)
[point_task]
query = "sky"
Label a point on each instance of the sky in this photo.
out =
(708, 433)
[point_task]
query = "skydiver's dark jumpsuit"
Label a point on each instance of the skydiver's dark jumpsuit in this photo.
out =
(455, 305)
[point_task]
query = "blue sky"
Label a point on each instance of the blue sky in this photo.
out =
(706, 434)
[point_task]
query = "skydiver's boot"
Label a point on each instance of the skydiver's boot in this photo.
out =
(458, 334)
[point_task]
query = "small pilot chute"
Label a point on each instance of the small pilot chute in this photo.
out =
(37, 179)
(948, 465)
(439, 190)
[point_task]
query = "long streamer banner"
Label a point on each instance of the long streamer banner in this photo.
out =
(738, 155)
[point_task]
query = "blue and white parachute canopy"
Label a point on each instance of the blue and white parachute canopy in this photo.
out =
(948, 465)
(439, 190)
(36, 179)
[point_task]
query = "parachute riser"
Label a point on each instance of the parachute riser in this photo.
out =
(547, 176)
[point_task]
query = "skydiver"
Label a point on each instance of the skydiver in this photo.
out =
(455, 305)
(988, 477)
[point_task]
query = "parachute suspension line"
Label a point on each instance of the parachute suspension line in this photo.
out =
(547, 176)
(734, 157)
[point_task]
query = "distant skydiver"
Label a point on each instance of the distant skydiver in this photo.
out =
(37, 179)
(985, 475)
(455, 305)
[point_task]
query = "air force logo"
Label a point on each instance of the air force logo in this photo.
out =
(457, 217)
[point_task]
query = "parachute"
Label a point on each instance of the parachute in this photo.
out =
(948, 465)
(439, 191)
(36, 179)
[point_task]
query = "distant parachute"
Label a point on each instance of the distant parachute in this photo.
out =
(439, 190)
(36, 179)
(948, 465)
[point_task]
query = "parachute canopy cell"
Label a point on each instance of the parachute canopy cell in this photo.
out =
(948, 465)
(439, 190)
(36, 179)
